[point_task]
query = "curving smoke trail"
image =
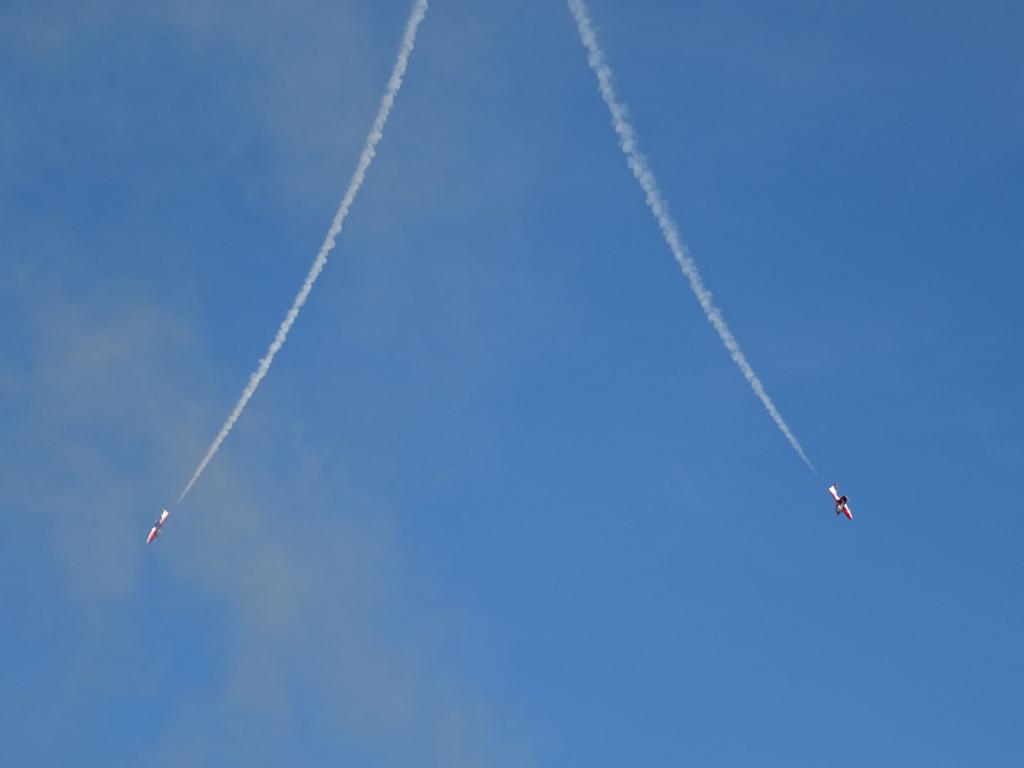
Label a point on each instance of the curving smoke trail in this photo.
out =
(645, 176)
(419, 10)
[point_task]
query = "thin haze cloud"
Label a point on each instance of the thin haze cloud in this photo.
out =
(419, 11)
(645, 176)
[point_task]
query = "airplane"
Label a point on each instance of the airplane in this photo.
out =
(157, 526)
(841, 505)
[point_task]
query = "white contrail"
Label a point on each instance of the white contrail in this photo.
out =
(376, 132)
(644, 175)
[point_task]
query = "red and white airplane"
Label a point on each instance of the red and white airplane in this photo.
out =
(841, 505)
(157, 526)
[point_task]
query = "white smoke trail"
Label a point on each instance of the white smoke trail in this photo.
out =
(645, 176)
(369, 150)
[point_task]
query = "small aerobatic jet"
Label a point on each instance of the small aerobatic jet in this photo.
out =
(159, 524)
(841, 505)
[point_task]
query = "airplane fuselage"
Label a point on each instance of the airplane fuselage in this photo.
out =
(842, 507)
(157, 526)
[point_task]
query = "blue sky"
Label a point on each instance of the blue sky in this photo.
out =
(503, 498)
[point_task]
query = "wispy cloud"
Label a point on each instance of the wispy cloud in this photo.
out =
(253, 630)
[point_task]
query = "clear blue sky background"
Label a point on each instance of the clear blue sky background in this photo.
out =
(503, 498)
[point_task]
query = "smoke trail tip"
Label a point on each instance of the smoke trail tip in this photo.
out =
(658, 205)
(355, 183)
